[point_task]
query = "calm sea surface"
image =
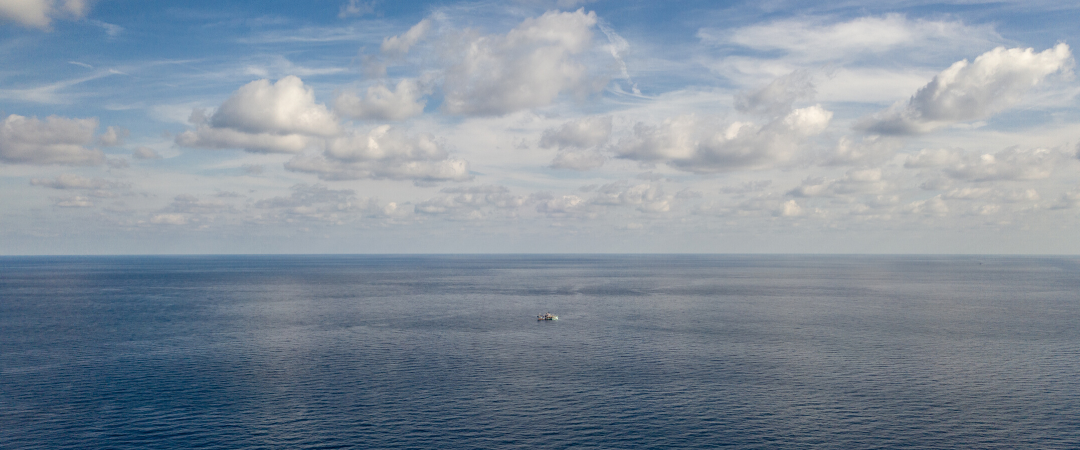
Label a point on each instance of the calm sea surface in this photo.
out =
(445, 352)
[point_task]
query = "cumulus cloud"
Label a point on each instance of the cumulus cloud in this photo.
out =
(859, 181)
(580, 133)
(318, 202)
(930, 207)
(284, 107)
(190, 204)
(934, 157)
(400, 45)
(690, 144)
(94, 187)
(1068, 200)
(145, 153)
(383, 153)
(113, 136)
(870, 150)
(562, 206)
(76, 201)
(646, 197)
(1009, 164)
(525, 68)
(967, 91)
(577, 141)
(992, 194)
(356, 8)
(817, 40)
(55, 140)
(578, 160)
(778, 96)
(40, 13)
(266, 117)
(381, 103)
(471, 202)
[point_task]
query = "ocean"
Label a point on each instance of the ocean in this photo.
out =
(649, 351)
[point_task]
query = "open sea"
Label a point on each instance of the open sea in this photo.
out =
(657, 352)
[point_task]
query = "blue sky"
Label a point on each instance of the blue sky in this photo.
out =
(538, 126)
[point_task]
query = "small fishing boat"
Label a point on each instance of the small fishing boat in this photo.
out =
(547, 316)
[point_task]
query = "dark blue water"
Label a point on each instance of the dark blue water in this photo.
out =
(445, 352)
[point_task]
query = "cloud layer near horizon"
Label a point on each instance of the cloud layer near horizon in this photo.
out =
(580, 126)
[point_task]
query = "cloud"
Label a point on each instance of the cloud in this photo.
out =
(690, 144)
(1009, 164)
(778, 96)
(967, 91)
(646, 197)
(356, 8)
(77, 201)
(930, 207)
(580, 133)
(98, 187)
(56, 140)
(191, 205)
(860, 181)
(934, 157)
(471, 202)
(169, 219)
(396, 46)
(145, 153)
(262, 117)
(381, 103)
(1068, 200)
(870, 150)
(525, 68)
(578, 160)
(284, 107)
(113, 136)
(577, 141)
(992, 194)
(40, 13)
(562, 206)
(318, 202)
(814, 40)
(383, 153)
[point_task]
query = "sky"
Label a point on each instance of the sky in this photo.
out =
(568, 126)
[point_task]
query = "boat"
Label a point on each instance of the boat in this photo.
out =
(547, 316)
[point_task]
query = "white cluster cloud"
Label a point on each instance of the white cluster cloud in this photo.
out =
(381, 103)
(40, 13)
(471, 202)
(356, 8)
(690, 144)
(870, 150)
(265, 117)
(561, 206)
(145, 153)
(94, 187)
(646, 197)
(777, 97)
(318, 202)
(967, 91)
(933, 206)
(854, 182)
(992, 194)
(578, 142)
(55, 140)
(382, 153)
(525, 68)
(400, 45)
(1011, 164)
(113, 136)
(815, 40)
